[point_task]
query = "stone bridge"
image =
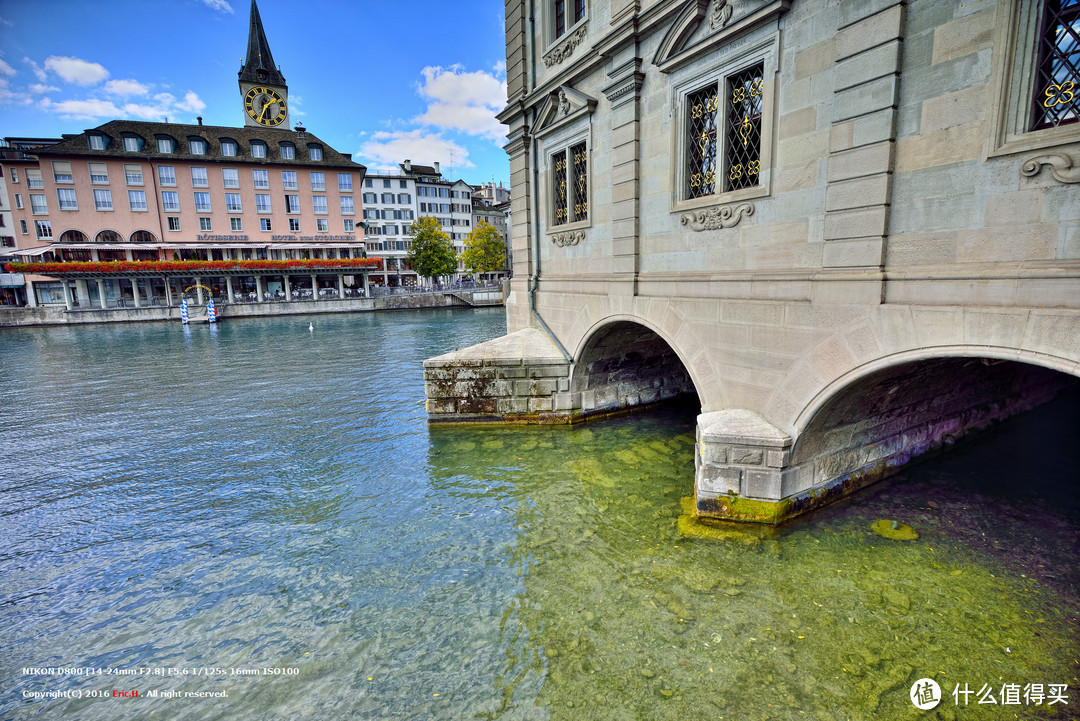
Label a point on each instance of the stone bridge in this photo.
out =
(905, 271)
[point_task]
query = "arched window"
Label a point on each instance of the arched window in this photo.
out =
(108, 236)
(142, 236)
(258, 149)
(165, 143)
(72, 236)
(228, 147)
(288, 151)
(314, 152)
(197, 146)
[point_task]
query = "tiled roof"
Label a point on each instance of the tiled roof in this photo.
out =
(420, 170)
(78, 145)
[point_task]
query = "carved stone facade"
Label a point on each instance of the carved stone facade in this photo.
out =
(807, 202)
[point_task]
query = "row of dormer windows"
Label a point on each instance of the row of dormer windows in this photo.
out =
(167, 145)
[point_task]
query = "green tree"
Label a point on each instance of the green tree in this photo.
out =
(485, 250)
(432, 254)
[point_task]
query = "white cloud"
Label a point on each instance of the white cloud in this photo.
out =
(296, 105)
(191, 103)
(467, 102)
(5, 21)
(125, 87)
(6, 69)
(144, 112)
(42, 88)
(83, 109)
(160, 106)
(222, 6)
(38, 72)
(388, 148)
(76, 70)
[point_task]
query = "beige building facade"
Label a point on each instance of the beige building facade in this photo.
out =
(851, 229)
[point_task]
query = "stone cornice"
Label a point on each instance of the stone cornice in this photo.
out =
(563, 106)
(629, 81)
(677, 56)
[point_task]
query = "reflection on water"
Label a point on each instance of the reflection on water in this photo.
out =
(261, 496)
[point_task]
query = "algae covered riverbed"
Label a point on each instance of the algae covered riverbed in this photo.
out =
(265, 496)
(630, 618)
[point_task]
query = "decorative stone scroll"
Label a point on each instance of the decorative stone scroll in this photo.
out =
(566, 48)
(1061, 166)
(726, 216)
(571, 237)
(721, 14)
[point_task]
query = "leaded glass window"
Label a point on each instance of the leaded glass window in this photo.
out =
(581, 181)
(559, 165)
(721, 162)
(570, 184)
(701, 143)
(1057, 84)
(743, 157)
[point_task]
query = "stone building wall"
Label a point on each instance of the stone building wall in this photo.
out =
(903, 213)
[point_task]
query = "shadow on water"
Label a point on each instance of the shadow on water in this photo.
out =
(622, 617)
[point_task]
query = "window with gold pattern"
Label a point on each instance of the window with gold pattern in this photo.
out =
(723, 134)
(1057, 82)
(570, 184)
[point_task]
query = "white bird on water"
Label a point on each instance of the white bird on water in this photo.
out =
(311, 327)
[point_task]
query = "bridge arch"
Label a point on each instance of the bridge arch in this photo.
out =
(886, 414)
(624, 361)
(968, 352)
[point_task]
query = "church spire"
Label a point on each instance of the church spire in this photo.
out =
(259, 65)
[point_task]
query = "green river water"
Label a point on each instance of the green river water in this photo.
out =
(261, 512)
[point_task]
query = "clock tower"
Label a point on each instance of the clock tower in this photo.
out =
(262, 86)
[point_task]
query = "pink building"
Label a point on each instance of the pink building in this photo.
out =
(148, 191)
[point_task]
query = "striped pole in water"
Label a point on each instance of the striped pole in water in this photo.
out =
(211, 314)
(183, 311)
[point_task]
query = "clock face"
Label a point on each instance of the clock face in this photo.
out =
(265, 106)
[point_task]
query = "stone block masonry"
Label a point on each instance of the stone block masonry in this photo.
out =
(748, 470)
(523, 378)
(519, 378)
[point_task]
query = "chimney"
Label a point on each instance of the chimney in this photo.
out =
(437, 167)
(199, 118)
(408, 165)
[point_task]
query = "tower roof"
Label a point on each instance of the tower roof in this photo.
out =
(259, 65)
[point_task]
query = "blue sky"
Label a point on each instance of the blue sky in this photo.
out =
(385, 81)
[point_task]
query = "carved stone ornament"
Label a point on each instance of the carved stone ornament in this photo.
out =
(1060, 165)
(721, 14)
(564, 104)
(572, 237)
(566, 48)
(726, 216)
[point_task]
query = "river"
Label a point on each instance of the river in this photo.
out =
(255, 522)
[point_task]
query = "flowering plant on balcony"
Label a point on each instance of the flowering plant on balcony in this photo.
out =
(192, 266)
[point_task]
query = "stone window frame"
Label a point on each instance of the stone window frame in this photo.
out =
(693, 78)
(559, 47)
(561, 142)
(1016, 53)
